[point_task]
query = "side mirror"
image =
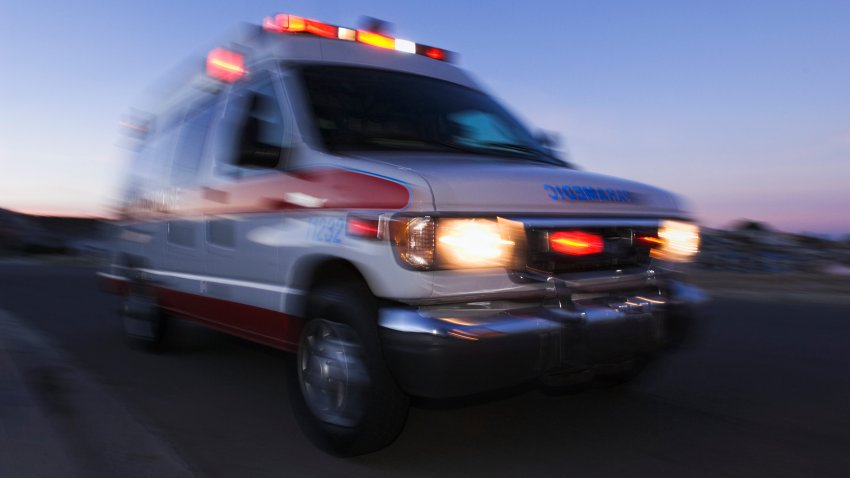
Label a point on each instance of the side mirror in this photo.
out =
(552, 143)
(260, 139)
(255, 153)
(261, 156)
(549, 139)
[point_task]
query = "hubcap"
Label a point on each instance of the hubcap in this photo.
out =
(331, 372)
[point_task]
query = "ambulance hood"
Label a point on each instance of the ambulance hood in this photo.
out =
(471, 184)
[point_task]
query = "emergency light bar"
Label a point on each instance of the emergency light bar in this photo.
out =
(285, 23)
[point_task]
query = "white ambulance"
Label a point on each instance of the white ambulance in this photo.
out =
(359, 201)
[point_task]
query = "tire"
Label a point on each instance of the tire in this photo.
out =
(629, 372)
(343, 396)
(144, 321)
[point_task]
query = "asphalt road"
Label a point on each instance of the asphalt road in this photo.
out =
(764, 391)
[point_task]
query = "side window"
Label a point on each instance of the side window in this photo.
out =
(252, 135)
(190, 145)
(478, 127)
(155, 155)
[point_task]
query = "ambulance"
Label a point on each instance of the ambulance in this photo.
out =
(359, 201)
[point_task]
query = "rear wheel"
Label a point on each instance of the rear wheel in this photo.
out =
(143, 320)
(343, 396)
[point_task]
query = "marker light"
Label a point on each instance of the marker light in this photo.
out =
(368, 228)
(471, 243)
(225, 65)
(576, 243)
(679, 241)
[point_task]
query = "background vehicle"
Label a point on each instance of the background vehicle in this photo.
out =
(356, 199)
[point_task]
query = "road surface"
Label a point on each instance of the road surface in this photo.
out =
(765, 391)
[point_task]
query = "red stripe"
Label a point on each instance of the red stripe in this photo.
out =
(112, 285)
(257, 324)
(336, 188)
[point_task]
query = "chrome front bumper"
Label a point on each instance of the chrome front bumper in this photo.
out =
(446, 351)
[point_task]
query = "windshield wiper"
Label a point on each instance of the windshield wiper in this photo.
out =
(414, 142)
(520, 148)
(531, 153)
(482, 148)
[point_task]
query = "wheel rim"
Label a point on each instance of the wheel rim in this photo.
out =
(331, 372)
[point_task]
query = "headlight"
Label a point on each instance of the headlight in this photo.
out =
(679, 241)
(471, 243)
(453, 243)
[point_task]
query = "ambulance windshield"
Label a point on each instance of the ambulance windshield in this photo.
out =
(362, 109)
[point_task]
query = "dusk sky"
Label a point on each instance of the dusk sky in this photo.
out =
(743, 107)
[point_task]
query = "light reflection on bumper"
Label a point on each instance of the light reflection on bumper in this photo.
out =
(456, 350)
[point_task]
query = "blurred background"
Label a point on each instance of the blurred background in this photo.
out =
(739, 107)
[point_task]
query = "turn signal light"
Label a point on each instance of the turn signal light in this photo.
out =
(576, 243)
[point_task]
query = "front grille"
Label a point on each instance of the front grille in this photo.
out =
(622, 249)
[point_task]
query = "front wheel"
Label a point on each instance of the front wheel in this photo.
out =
(343, 396)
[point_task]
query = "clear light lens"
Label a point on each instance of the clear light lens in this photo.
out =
(679, 241)
(347, 34)
(472, 243)
(413, 238)
(405, 46)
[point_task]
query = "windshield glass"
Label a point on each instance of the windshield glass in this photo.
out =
(358, 109)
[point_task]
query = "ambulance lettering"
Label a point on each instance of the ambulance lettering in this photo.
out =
(569, 192)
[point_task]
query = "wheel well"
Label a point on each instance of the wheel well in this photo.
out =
(130, 261)
(330, 270)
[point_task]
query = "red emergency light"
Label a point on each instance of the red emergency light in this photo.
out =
(431, 52)
(576, 243)
(225, 65)
(285, 23)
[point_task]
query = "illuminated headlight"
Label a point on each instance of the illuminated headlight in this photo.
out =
(472, 243)
(679, 241)
(452, 243)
